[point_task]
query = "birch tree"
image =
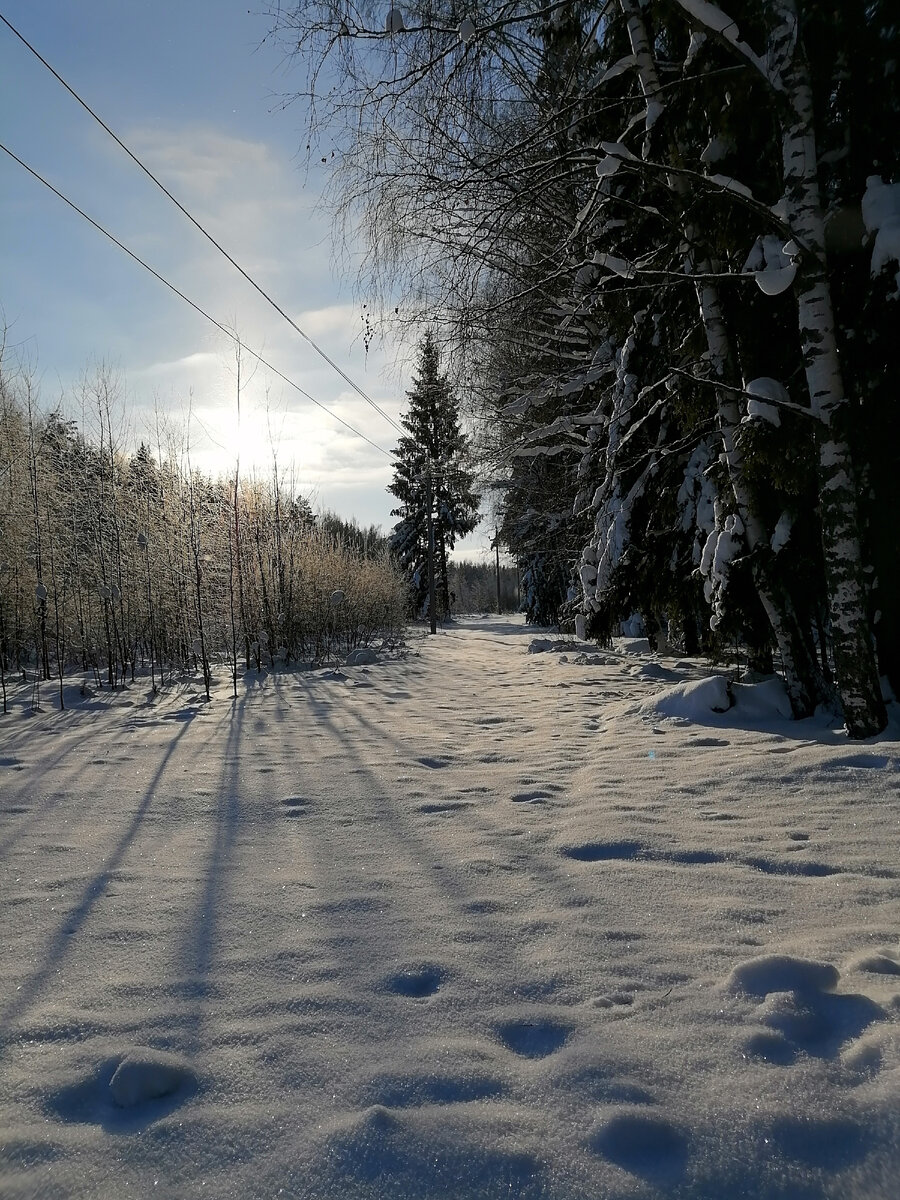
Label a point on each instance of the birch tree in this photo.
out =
(643, 185)
(800, 214)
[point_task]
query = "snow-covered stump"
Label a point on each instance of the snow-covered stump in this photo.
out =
(854, 656)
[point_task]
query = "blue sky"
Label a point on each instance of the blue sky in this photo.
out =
(194, 87)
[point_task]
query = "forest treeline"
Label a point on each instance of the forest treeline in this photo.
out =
(660, 243)
(473, 587)
(113, 561)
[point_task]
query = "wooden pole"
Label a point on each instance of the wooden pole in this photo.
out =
(497, 562)
(432, 616)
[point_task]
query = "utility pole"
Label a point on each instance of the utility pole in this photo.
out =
(497, 562)
(432, 616)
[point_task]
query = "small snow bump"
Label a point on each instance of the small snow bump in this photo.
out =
(782, 973)
(875, 964)
(144, 1075)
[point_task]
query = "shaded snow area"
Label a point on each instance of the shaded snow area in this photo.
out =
(472, 922)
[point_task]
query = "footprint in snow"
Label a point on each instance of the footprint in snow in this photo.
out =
(832, 1143)
(856, 762)
(614, 999)
(296, 806)
(534, 1039)
(604, 851)
(799, 1009)
(416, 982)
(643, 1143)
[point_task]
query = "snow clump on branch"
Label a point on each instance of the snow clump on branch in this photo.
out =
(766, 394)
(722, 547)
(773, 267)
(881, 216)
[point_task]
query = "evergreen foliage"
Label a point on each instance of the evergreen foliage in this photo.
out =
(431, 477)
(651, 232)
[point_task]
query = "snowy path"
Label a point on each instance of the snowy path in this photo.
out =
(466, 924)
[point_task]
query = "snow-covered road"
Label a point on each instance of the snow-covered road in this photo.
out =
(470, 923)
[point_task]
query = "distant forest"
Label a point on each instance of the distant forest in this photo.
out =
(112, 561)
(473, 587)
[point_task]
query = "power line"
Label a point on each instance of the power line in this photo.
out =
(265, 295)
(196, 307)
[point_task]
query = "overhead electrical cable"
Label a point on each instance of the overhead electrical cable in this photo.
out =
(265, 295)
(196, 307)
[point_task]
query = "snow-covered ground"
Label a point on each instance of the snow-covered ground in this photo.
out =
(476, 922)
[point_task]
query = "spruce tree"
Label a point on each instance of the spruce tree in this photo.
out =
(430, 474)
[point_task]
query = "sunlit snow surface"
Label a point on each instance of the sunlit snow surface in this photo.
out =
(471, 922)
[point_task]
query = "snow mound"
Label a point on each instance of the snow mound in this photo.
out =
(782, 973)
(417, 1153)
(692, 701)
(753, 703)
(765, 396)
(146, 1075)
(425, 1086)
(800, 1014)
(632, 645)
(881, 214)
(655, 670)
(542, 645)
(763, 701)
(875, 964)
(594, 660)
(363, 656)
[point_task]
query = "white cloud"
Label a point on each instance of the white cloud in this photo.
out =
(248, 197)
(331, 320)
(199, 360)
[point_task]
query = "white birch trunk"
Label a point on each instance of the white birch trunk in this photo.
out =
(801, 673)
(854, 656)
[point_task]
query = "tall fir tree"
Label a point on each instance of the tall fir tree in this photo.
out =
(430, 473)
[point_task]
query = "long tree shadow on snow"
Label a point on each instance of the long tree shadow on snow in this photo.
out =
(198, 947)
(32, 988)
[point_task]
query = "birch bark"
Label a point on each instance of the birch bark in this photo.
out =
(854, 655)
(801, 672)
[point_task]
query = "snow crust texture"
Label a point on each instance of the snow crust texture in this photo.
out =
(472, 922)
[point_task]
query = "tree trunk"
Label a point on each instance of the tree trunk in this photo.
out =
(801, 676)
(854, 657)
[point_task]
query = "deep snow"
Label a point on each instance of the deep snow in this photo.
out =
(472, 922)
